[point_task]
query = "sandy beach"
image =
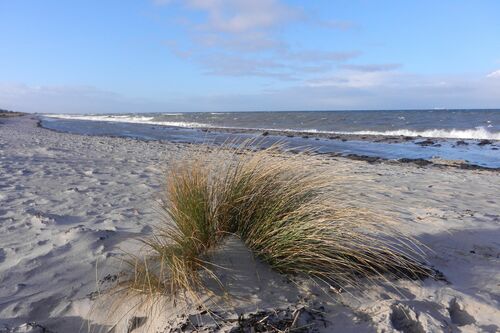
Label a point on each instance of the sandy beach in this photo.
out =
(71, 205)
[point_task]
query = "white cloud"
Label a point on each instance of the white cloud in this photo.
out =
(289, 67)
(242, 38)
(338, 24)
(361, 79)
(249, 42)
(321, 56)
(495, 74)
(161, 2)
(239, 16)
(242, 66)
(238, 25)
(371, 67)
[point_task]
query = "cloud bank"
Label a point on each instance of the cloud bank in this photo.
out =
(348, 90)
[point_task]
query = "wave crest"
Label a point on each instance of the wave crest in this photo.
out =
(128, 119)
(478, 133)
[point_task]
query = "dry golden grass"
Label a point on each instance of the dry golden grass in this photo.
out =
(284, 207)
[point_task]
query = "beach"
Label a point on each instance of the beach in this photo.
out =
(72, 205)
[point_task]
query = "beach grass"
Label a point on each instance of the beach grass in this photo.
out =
(286, 209)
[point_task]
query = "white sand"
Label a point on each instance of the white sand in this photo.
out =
(68, 202)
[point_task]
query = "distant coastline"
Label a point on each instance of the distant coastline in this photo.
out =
(8, 113)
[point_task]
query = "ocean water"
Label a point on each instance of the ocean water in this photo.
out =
(447, 126)
(463, 124)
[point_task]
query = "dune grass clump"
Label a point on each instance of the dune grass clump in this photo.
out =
(287, 211)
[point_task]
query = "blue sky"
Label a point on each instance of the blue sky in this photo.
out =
(231, 55)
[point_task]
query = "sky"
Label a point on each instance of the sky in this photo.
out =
(95, 56)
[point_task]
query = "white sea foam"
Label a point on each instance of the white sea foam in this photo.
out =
(128, 119)
(478, 133)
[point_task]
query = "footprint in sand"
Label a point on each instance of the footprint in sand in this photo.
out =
(459, 316)
(405, 320)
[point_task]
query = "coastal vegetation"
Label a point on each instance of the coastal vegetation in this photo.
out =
(285, 209)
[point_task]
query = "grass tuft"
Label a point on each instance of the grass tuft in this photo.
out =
(284, 207)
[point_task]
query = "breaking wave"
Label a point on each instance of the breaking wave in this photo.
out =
(478, 133)
(128, 119)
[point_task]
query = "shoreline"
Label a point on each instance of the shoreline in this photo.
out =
(421, 162)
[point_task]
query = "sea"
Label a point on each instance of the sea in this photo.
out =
(469, 136)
